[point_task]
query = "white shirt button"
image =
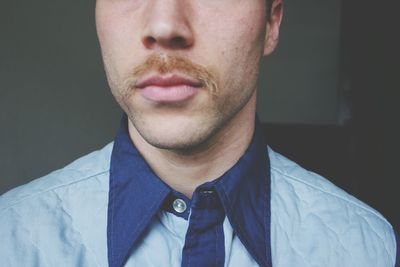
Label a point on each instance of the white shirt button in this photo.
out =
(179, 205)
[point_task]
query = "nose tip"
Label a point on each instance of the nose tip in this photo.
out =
(167, 26)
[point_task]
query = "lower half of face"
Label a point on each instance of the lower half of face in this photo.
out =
(187, 118)
(223, 47)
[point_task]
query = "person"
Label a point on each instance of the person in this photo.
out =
(189, 180)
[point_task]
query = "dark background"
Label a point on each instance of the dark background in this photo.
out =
(328, 96)
(361, 155)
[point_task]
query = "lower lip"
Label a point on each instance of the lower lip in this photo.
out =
(177, 93)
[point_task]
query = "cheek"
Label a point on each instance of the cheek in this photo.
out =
(239, 68)
(239, 60)
(116, 32)
(239, 41)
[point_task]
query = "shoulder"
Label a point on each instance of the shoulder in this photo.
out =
(82, 170)
(330, 218)
(60, 215)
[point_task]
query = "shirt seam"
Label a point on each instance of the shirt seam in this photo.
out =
(23, 199)
(332, 194)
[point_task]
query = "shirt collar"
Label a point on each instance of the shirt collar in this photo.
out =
(136, 194)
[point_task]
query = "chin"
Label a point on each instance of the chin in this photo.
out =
(178, 133)
(174, 145)
(177, 138)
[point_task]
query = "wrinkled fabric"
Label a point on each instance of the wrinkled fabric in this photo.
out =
(61, 220)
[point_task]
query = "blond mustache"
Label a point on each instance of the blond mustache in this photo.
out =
(163, 64)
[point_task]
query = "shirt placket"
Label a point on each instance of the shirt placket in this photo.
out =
(204, 241)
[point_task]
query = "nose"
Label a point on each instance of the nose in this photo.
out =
(167, 25)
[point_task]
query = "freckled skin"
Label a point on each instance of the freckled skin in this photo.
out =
(225, 37)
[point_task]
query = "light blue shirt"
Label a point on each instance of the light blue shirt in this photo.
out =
(63, 219)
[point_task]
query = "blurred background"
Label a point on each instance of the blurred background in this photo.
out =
(328, 97)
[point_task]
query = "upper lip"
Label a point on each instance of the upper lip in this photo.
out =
(170, 80)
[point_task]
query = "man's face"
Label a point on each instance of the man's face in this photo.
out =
(182, 69)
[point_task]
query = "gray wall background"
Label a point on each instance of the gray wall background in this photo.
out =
(55, 104)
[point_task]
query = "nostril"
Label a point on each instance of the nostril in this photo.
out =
(172, 42)
(149, 41)
(178, 42)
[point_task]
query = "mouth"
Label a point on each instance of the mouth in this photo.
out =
(170, 88)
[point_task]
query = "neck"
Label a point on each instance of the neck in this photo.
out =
(184, 172)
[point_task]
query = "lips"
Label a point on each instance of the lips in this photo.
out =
(171, 88)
